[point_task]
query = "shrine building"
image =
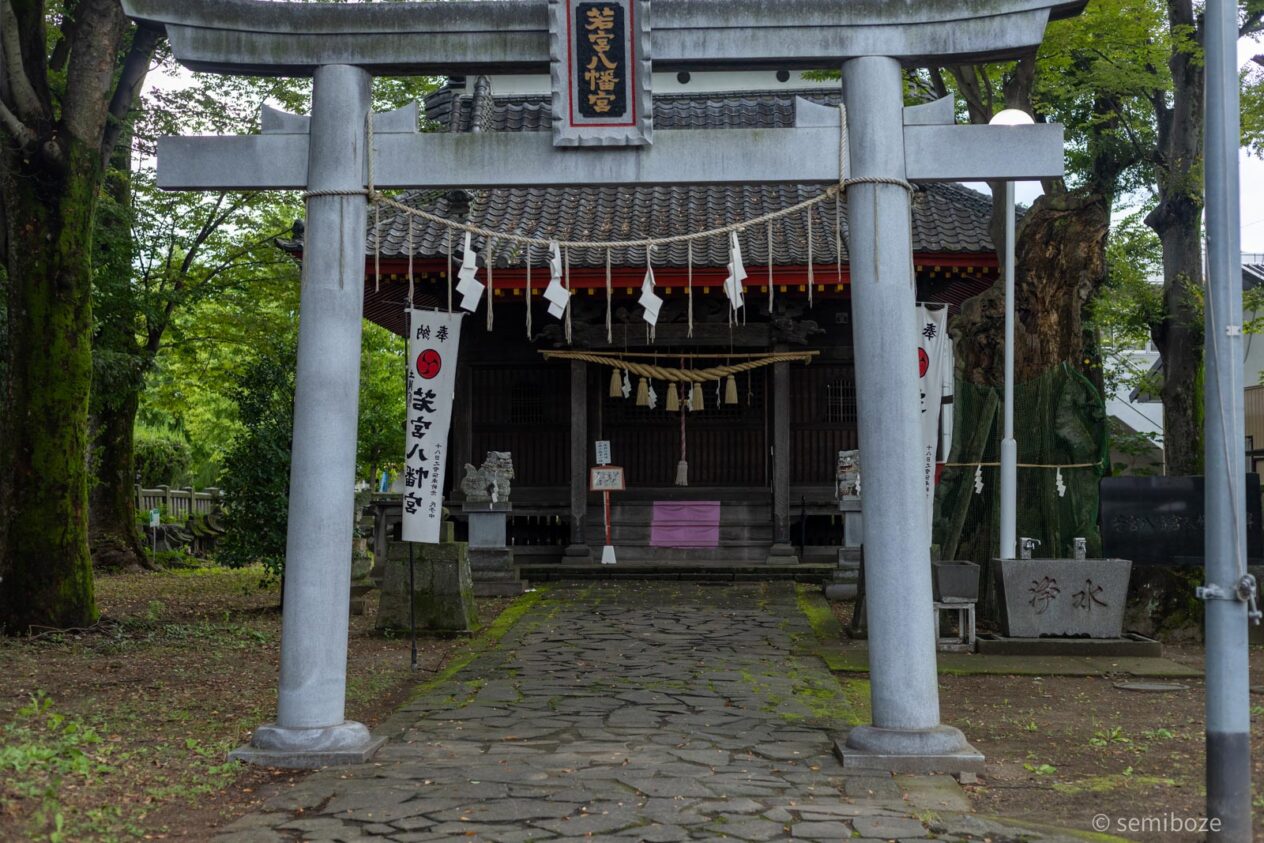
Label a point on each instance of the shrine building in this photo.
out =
(761, 453)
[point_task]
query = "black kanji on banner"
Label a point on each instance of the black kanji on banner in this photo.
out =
(601, 61)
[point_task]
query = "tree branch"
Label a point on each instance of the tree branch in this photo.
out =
(25, 100)
(61, 52)
(22, 133)
(135, 68)
(1252, 25)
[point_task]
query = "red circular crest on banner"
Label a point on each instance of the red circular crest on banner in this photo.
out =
(429, 363)
(923, 362)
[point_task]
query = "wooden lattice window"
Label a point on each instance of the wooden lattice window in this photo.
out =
(840, 402)
(526, 404)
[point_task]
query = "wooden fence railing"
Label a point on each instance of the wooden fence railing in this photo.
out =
(179, 503)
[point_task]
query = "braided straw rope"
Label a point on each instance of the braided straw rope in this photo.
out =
(674, 375)
(831, 192)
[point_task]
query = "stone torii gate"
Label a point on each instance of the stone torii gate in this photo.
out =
(343, 46)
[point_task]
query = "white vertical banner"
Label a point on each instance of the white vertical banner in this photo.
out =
(934, 364)
(433, 340)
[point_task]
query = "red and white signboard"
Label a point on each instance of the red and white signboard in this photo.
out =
(935, 378)
(433, 340)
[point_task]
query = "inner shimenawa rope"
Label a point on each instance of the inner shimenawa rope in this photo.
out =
(674, 375)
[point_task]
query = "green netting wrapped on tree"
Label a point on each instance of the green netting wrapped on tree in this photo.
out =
(967, 522)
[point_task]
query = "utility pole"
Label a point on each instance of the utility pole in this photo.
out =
(1229, 592)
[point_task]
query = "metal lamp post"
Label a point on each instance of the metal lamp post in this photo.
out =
(1009, 448)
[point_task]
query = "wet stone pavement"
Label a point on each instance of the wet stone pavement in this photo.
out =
(629, 711)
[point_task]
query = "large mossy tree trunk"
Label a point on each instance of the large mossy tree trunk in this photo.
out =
(48, 571)
(52, 161)
(1060, 252)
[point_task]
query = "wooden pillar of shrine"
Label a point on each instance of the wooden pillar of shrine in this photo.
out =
(577, 550)
(782, 550)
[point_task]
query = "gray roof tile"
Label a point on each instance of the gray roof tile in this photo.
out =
(946, 218)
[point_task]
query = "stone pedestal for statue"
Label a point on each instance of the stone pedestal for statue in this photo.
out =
(491, 559)
(442, 595)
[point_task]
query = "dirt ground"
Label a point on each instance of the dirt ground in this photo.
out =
(120, 732)
(1064, 749)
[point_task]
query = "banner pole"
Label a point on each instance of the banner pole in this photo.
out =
(412, 604)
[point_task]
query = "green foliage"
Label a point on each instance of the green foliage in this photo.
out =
(382, 409)
(39, 751)
(257, 465)
(162, 457)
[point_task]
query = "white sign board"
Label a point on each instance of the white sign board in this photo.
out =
(433, 340)
(935, 374)
(155, 517)
(607, 478)
(603, 452)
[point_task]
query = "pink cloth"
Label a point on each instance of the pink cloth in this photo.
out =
(685, 524)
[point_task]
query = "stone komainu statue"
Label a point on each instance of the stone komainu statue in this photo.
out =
(490, 482)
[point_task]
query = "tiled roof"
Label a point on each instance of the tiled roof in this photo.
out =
(946, 218)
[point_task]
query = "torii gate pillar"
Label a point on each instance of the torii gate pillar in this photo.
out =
(905, 685)
(311, 728)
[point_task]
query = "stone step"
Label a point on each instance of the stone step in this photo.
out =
(509, 588)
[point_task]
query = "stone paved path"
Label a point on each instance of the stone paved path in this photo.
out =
(632, 711)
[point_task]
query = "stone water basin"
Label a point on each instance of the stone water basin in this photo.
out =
(1063, 598)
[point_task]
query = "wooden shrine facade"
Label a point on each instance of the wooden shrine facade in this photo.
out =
(549, 414)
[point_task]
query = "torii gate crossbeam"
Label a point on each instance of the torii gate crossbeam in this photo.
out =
(342, 46)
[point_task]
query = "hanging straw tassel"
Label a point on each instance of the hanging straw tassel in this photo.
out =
(811, 273)
(566, 278)
(616, 384)
(838, 233)
(491, 283)
(673, 398)
(770, 284)
(410, 260)
(528, 293)
(690, 282)
(609, 301)
(449, 276)
(682, 467)
(697, 401)
(643, 393)
(730, 390)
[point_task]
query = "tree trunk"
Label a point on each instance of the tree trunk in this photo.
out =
(1177, 219)
(1179, 339)
(113, 536)
(1061, 262)
(47, 569)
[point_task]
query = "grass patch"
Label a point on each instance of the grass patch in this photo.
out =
(1111, 782)
(122, 731)
(486, 638)
(819, 614)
